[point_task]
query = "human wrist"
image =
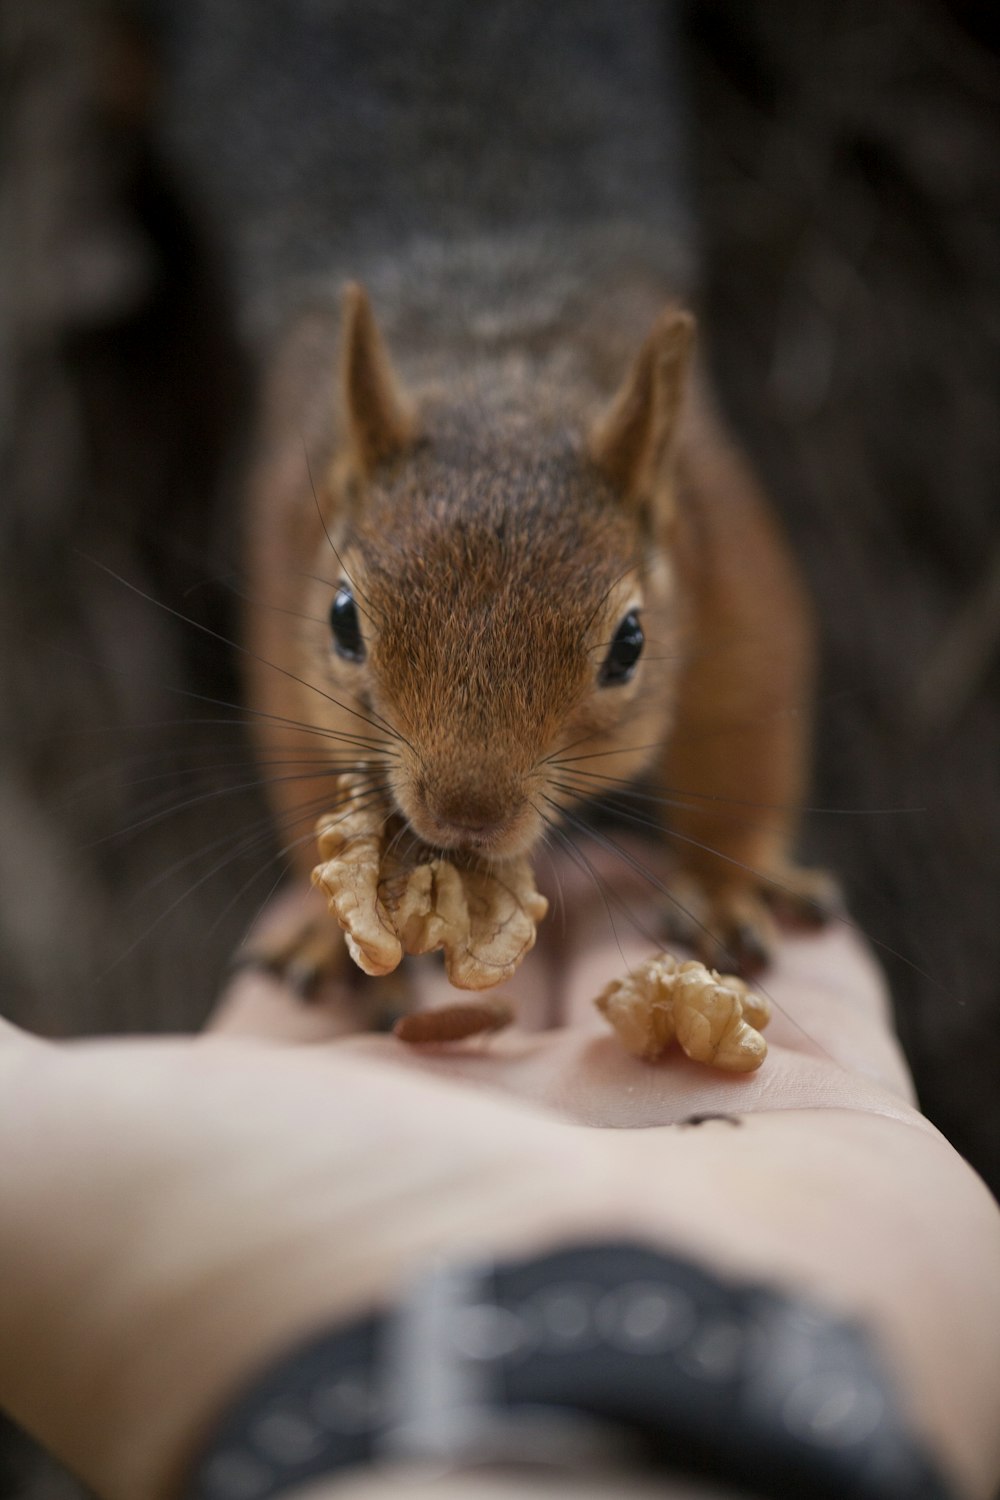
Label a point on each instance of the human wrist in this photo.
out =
(193, 1260)
(400, 1482)
(529, 1207)
(599, 1356)
(315, 1282)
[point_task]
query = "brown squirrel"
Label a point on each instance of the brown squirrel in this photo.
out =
(490, 579)
(526, 572)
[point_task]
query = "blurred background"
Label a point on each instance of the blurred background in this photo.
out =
(834, 169)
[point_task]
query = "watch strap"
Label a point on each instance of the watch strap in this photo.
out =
(597, 1353)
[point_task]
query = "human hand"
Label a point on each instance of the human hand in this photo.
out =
(831, 1040)
(174, 1211)
(835, 1180)
(227, 1196)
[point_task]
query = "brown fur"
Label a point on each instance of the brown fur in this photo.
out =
(495, 529)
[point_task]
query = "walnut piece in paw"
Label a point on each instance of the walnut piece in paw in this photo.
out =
(350, 846)
(714, 1017)
(485, 921)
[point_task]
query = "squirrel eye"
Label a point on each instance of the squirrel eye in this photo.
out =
(626, 648)
(346, 626)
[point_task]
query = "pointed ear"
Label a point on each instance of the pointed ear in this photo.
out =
(634, 443)
(378, 419)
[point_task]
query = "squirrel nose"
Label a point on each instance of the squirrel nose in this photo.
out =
(464, 827)
(468, 812)
(481, 809)
(471, 813)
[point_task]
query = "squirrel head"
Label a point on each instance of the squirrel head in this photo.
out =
(500, 597)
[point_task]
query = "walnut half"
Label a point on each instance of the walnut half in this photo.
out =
(714, 1017)
(485, 921)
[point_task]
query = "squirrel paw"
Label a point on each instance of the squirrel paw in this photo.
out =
(301, 947)
(305, 953)
(736, 927)
(803, 899)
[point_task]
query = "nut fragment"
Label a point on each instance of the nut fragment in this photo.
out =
(453, 1023)
(350, 845)
(485, 921)
(714, 1017)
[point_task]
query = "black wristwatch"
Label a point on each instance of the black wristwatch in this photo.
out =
(592, 1355)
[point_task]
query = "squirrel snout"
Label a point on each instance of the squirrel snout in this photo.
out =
(484, 815)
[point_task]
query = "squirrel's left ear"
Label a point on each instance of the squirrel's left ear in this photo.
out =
(378, 420)
(634, 444)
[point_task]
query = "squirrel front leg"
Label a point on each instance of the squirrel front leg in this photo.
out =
(735, 768)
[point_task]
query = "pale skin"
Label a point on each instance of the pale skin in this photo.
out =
(174, 1212)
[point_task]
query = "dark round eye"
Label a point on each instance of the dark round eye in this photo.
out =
(626, 648)
(346, 626)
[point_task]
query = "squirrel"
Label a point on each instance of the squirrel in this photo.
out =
(527, 570)
(500, 549)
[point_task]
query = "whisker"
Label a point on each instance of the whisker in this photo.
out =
(313, 809)
(374, 719)
(329, 538)
(671, 801)
(602, 754)
(319, 765)
(233, 721)
(167, 911)
(261, 829)
(637, 865)
(213, 794)
(557, 878)
(172, 775)
(396, 839)
(282, 855)
(582, 862)
(658, 885)
(247, 597)
(775, 884)
(239, 710)
(840, 917)
(632, 568)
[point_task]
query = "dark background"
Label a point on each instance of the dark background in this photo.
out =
(849, 192)
(844, 172)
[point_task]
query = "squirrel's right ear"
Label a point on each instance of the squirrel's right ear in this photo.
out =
(378, 420)
(634, 444)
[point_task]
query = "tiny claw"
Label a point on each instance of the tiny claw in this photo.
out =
(745, 950)
(805, 900)
(303, 979)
